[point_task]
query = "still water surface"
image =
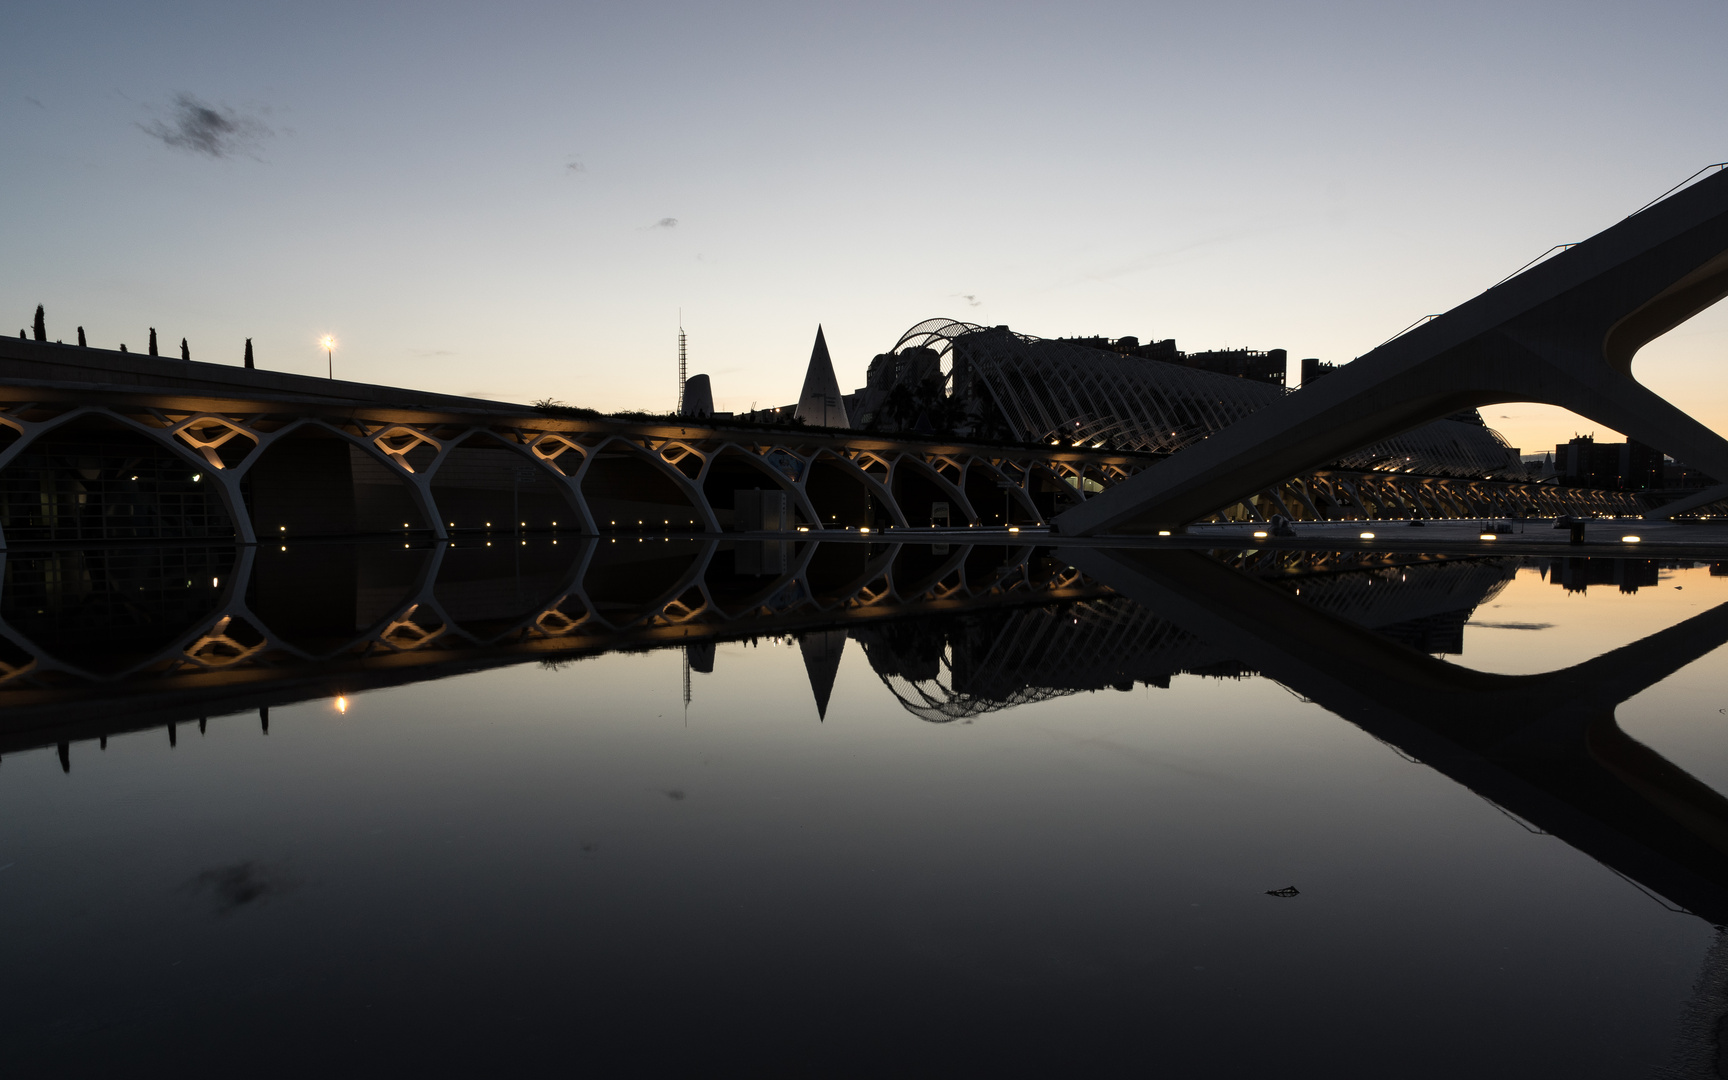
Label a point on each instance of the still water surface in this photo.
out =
(563, 866)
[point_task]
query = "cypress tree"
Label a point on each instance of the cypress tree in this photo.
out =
(41, 325)
(152, 341)
(248, 352)
(81, 342)
(185, 353)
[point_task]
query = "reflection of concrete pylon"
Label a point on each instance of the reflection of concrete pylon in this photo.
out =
(822, 649)
(1545, 747)
(1563, 333)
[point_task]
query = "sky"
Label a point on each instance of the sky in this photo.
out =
(521, 201)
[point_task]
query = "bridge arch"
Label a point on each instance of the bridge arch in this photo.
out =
(732, 469)
(487, 480)
(917, 486)
(627, 487)
(311, 478)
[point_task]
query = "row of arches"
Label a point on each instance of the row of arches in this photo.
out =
(71, 615)
(92, 473)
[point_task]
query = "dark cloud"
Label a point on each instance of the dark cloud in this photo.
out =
(233, 887)
(1513, 625)
(575, 168)
(198, 128)
(665, 223)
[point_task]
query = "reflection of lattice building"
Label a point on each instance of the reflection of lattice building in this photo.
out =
(949, 669)
(1020, 388)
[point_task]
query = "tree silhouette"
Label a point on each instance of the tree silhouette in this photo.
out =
(185, 353)
(81, 342)
(41, 325)
(248, 352)
(152, 341)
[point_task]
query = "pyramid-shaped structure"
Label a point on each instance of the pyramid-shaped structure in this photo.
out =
(820, 402)
(822, 649)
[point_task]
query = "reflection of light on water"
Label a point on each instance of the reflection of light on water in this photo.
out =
(341, 704)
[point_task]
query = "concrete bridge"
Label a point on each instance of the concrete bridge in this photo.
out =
(1563, 332)
(101, 445)
(98, 446)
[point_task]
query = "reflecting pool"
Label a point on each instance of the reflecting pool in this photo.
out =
(625, 805)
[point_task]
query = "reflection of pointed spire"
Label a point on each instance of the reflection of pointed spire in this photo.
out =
(822, 649)
(820, 402)
(264, 719)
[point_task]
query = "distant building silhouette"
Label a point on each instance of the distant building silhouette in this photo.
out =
(1626, 466)
(1313, 367)
(1267, 367)
(697, 401)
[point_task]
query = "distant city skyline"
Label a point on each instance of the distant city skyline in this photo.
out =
(516, 202)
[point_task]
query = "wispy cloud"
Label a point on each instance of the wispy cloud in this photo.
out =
(434, 352)
(34, 102)
(1513, 625)
(970, 298)
(665, 223)
(575, 168)
(215, 131)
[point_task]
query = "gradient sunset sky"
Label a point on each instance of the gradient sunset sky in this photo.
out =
(515, 200)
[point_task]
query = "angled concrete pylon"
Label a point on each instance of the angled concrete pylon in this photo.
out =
(1563, 333)
(820, 402)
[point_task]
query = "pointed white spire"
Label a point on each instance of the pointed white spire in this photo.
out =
(820, 402)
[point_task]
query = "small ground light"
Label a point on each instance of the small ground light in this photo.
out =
(803, 528)
(1365, 536)
(1163, 532)
(1631, 539)
(1487, 536)
(341, 704)
(1260, 534)
(1014, 528)
(863, 528)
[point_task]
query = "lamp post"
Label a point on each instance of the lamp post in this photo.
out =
(329, 344)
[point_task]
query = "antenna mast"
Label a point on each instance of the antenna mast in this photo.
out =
(681, 375)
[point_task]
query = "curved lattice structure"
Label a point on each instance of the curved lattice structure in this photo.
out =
(1028, 389)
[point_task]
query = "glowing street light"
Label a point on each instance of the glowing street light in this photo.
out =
(328, 344)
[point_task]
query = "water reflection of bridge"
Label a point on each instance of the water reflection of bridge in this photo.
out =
(996, 625)
(192, 630)
(99, 641)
